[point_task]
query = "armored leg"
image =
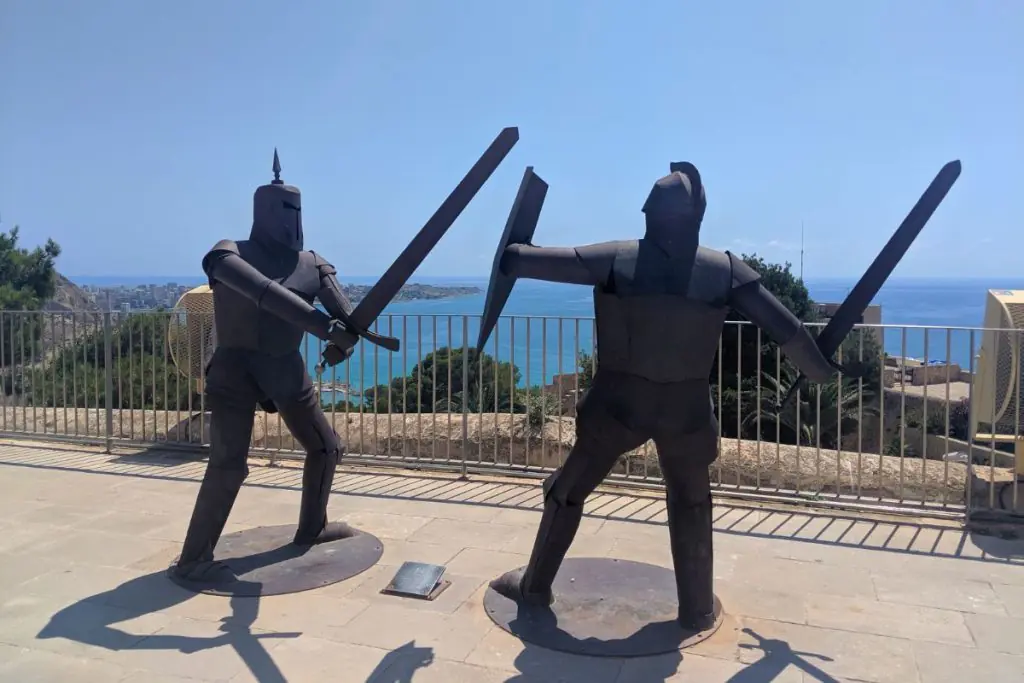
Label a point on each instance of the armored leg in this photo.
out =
(598, 446)
(308, 424)
(684, 464)
(230, 433)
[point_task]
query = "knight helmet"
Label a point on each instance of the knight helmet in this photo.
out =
(277, 212)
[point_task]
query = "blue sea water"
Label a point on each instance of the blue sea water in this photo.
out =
(546, 323)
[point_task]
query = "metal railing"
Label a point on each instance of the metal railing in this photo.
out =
(896, 439)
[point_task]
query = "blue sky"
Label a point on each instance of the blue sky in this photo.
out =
(135, 132)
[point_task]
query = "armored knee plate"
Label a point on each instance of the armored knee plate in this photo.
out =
(230, 432)
(558, 527)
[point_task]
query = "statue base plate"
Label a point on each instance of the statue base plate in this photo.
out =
(266, 562)
(603, 607)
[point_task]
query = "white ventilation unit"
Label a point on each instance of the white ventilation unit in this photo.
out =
(997, 411)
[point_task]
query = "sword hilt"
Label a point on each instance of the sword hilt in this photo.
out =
(793, 389)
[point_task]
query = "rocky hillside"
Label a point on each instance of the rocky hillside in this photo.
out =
(70, 297)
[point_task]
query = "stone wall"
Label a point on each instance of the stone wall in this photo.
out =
(509, 441)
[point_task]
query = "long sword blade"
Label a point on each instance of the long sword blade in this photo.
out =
(852, 309)
(382, 293)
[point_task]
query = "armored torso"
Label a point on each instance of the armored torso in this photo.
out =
(660, 316)
(240, 322)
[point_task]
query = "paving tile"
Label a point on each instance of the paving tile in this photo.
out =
(964, 596)
(1011, 597)
(691, 668)
(251, 510)
(499, 650)
(22, 537)
(397, 552)
(202, 650)
(997, 634)
(37, 666)
(309, 612)
(308, 659)
(486, 564)
(783, 576)
(450, 636)
(864, 615)
(530, 519)
(750, 601)
(416, 665)
(641, 549)
(92, 547)
(139, 524)
(455, 511)
(949, 664)
(461, 589)
(140, 676)
(387, 526)
(77, 581)
(60, 515)
(587, 542)
(17, 568)
(81, 629)
(840, 654)
(470, 534)
(635, 530)
(724, 643)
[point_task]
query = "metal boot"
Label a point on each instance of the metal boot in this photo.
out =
(690, 529)
(317, 479)
(217, 496)
(558, 528)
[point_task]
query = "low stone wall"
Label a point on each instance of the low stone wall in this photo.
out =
(510, 440)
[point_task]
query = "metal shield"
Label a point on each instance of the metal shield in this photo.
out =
(519, 229)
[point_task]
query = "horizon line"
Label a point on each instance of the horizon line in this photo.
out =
(485, 276)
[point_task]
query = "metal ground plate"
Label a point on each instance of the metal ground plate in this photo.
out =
(417, 580)
(603, 607)
(266, 562)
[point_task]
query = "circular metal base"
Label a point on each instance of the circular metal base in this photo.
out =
(603, 607)
(266, 562)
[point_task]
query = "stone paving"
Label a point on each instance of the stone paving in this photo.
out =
(810, 596)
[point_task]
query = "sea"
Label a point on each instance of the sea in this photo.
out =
(546, 324)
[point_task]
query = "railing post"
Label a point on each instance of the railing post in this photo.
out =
(108, 377)
(465, 394)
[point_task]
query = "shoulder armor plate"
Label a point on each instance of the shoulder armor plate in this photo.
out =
(741, 273)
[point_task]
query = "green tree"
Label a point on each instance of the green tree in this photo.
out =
(824, 413)
(426, 388)
(142, 374)
(27, 281)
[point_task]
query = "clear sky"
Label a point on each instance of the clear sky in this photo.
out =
(135, 132)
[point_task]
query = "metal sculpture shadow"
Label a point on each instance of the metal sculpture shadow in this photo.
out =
(534, 662)
(90, 621)
(401, 664)
(778, 656)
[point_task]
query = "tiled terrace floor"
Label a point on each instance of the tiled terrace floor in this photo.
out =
(84, 538)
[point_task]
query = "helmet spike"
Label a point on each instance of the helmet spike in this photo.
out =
(277, 170)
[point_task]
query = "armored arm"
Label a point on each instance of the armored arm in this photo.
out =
(589, 265)
(330, 294)
(750, 298)
(224, 265)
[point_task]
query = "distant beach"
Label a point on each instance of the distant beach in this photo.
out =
(562, 313)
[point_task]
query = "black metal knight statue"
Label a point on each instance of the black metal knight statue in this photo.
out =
(660, 304)
(264, 291)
